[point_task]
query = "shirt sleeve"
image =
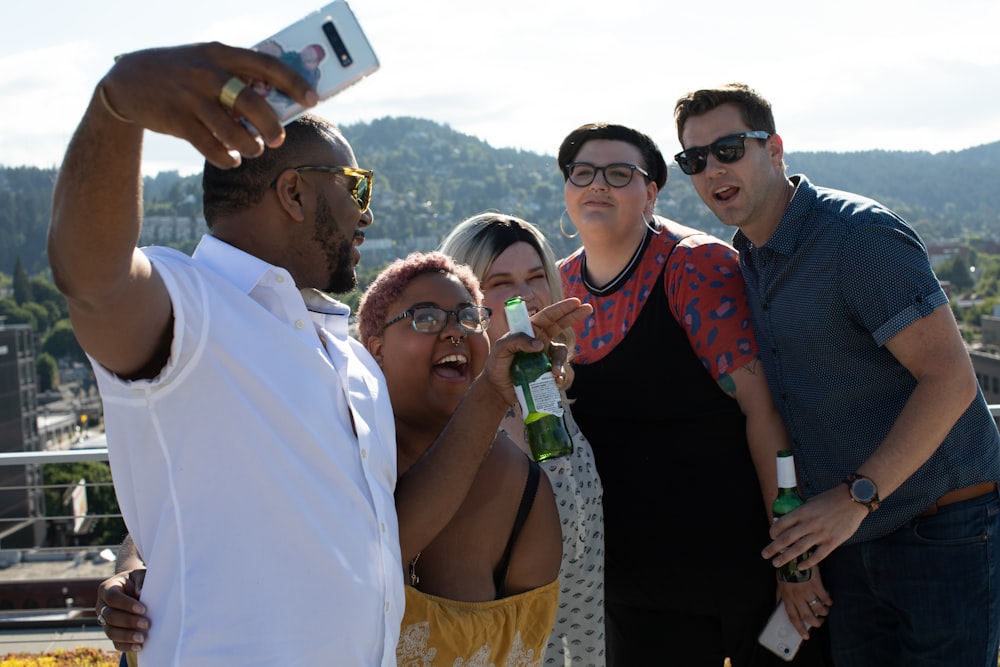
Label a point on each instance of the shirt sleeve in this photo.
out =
(707, 295)
(886, 279)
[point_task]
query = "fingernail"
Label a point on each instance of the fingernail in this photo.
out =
(138, 638)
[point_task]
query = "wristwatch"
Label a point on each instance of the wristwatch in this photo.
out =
(863, 491)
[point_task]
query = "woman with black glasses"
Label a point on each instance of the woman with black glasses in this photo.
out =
(483, 583)
(668, 391)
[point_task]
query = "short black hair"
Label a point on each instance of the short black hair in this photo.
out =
(574, 141)
(230, 191)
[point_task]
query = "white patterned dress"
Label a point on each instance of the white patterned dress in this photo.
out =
(578, 636)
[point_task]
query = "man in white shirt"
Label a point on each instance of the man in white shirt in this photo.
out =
(251, 439)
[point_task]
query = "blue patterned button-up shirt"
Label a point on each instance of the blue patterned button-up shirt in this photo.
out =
(840, 277)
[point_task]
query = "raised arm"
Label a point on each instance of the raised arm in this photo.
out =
(120, 309)
(433, 489)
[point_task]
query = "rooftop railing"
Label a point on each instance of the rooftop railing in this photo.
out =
(56, 586)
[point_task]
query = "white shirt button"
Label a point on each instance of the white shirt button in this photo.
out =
(299, 324)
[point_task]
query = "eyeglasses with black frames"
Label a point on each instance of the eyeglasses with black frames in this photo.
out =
(363, 180)
(616, 174)
(429, 318)
(728, 149)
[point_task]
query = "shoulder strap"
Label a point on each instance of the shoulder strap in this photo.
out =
(527, 499)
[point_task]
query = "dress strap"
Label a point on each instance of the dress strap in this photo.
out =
(527, 499)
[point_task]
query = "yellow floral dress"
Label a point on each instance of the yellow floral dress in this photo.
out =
(509, 632)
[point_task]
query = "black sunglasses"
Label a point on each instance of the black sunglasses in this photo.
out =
(363, 179)
(726, 150)
(431, 318)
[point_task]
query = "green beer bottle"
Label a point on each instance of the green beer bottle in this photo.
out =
(788, 499)
(537, 392)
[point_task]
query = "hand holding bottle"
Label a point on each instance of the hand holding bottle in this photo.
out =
(537, 393)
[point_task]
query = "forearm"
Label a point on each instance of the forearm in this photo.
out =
(766, 433)
(930, 413)
(933, 352)
(96, 206)
(432, 490)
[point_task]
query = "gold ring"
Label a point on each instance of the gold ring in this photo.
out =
(230, 91)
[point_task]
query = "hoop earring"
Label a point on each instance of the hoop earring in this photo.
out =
(649, 224)
(562, 227)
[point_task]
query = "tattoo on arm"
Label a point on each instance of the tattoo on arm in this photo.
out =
(727, 383)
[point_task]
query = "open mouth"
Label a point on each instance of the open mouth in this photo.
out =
(452, 367)
(726, 193)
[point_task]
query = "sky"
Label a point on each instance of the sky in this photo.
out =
(841, 76)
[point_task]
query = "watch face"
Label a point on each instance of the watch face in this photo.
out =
(863, 490)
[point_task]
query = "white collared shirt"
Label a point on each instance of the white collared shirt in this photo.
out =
(256, 475)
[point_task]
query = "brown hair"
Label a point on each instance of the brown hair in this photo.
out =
(754, 109)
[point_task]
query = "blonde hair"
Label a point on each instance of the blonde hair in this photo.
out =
(479, 240)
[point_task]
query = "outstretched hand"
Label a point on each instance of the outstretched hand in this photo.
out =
(548, 323)
(176, 91)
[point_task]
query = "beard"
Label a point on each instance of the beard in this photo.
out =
(339, 250)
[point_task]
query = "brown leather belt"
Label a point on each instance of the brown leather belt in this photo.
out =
(958, 495)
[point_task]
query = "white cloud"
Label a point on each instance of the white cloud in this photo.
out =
(915, 75)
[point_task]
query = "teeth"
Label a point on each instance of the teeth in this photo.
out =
(453, 359)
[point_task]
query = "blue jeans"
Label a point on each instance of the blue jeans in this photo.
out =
(927, 594)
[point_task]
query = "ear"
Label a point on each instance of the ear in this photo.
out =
(374, 346)
(290, 187)
(651, 192)
(776, 149)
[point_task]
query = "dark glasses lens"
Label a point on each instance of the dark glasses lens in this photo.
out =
(726, 150)
(363, 192)
(617, 174)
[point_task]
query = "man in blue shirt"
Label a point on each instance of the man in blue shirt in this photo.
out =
(898, 455)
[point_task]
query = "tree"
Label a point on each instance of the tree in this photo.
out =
(61, 343)
(47, 371)
(956, 271)
(22, 286)
(100, 500)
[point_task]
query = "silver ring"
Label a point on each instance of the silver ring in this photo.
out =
(230, 91)
(101, 620)
(814, 601)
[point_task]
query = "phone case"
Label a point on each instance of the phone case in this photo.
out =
(327, 47)
(779, 635)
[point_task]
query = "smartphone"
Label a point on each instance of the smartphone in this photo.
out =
(327, 47)
(779, 635)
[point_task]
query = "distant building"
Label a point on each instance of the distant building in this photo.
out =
(987, 365)
(986, 358)
(22, 504)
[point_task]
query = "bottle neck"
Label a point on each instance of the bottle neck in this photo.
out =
(786, 472)
(518, 319)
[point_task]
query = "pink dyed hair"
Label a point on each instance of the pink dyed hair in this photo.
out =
(386, 288)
